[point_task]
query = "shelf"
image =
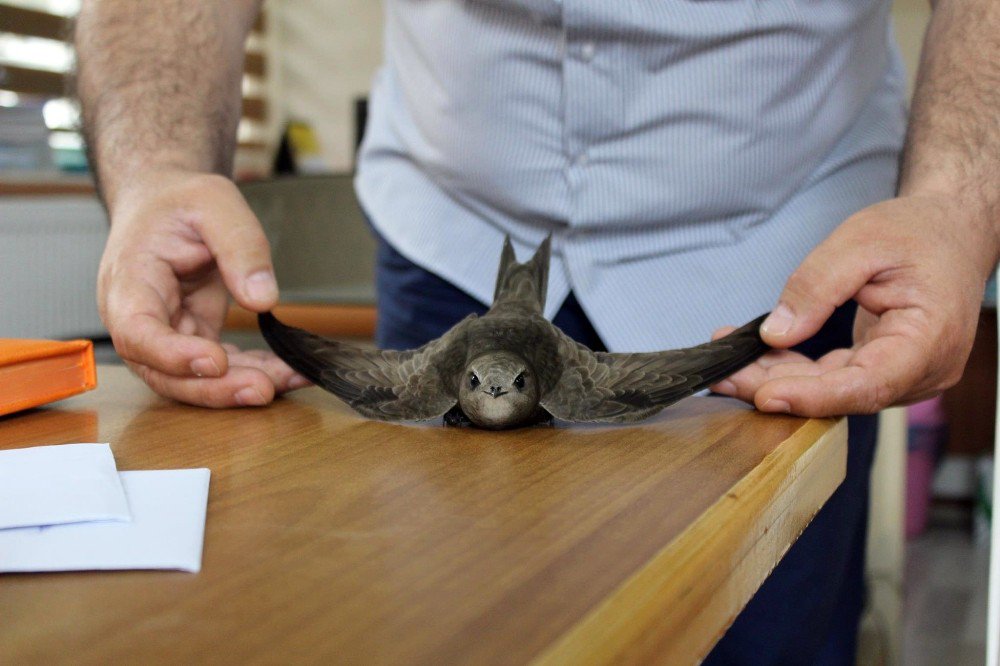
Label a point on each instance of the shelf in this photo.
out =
(54, 184)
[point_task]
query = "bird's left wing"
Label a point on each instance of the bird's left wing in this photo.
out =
(599, 386)
(382, 384)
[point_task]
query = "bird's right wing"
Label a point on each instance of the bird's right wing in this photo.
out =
(599, 386)
(381, 384)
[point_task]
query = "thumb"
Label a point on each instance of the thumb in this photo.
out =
(236, 240)
(830, 276)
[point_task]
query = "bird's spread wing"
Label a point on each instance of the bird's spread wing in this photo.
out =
(598, 386)
(381, 384)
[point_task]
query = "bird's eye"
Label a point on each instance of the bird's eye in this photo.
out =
(473, 380)
(519, 381)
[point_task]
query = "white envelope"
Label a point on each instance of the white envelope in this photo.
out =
(52, 485)
(166, 532)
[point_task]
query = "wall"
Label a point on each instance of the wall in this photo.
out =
(910, 18)
(327, 51)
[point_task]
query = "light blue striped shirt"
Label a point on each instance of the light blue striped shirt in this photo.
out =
(686, 154)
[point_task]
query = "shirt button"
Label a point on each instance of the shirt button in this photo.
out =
(587, 51)
(582, 159)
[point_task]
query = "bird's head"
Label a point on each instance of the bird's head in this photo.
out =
(498, 390)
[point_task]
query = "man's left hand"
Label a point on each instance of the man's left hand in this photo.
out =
(917, 267)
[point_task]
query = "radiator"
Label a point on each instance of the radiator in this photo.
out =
(49, 251)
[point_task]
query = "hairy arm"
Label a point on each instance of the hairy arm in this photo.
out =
(916, 264)
(953, 141)
(159, 83)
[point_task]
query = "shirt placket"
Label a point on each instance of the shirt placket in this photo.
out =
(588, 96)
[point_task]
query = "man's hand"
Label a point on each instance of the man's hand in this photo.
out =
(159, 85)
(917, 267)
(178, 242)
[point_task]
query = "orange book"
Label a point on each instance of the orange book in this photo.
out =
(36, 372)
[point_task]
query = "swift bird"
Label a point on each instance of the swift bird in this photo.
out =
(510, 367)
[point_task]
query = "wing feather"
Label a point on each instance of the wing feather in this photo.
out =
(406, 385)
(601, 386)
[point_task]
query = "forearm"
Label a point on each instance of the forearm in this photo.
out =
(159, 84)
(953, 142)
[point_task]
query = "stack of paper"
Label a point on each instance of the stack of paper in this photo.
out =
(67, 508)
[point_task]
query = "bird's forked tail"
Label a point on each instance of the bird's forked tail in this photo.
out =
(527, 282)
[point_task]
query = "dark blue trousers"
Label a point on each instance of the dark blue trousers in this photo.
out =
(807, 611)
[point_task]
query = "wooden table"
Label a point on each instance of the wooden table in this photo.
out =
(336, 539)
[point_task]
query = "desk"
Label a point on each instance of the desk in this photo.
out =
(337, 539)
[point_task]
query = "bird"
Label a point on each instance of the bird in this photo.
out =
(510, 367)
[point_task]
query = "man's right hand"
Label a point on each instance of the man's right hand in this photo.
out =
(179, 241)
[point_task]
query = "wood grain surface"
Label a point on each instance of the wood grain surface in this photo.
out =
(334, 539)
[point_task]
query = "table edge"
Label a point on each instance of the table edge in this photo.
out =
(614, 630)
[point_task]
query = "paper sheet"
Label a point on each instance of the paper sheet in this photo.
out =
(52, 485)
(166, 532)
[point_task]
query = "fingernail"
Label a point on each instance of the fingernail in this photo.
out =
(261, 286)
(297, 381)
(780, 321)
(205, 367)
(726, 387)
(775, 405)
(249, 397)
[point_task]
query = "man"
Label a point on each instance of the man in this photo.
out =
(688, 156)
